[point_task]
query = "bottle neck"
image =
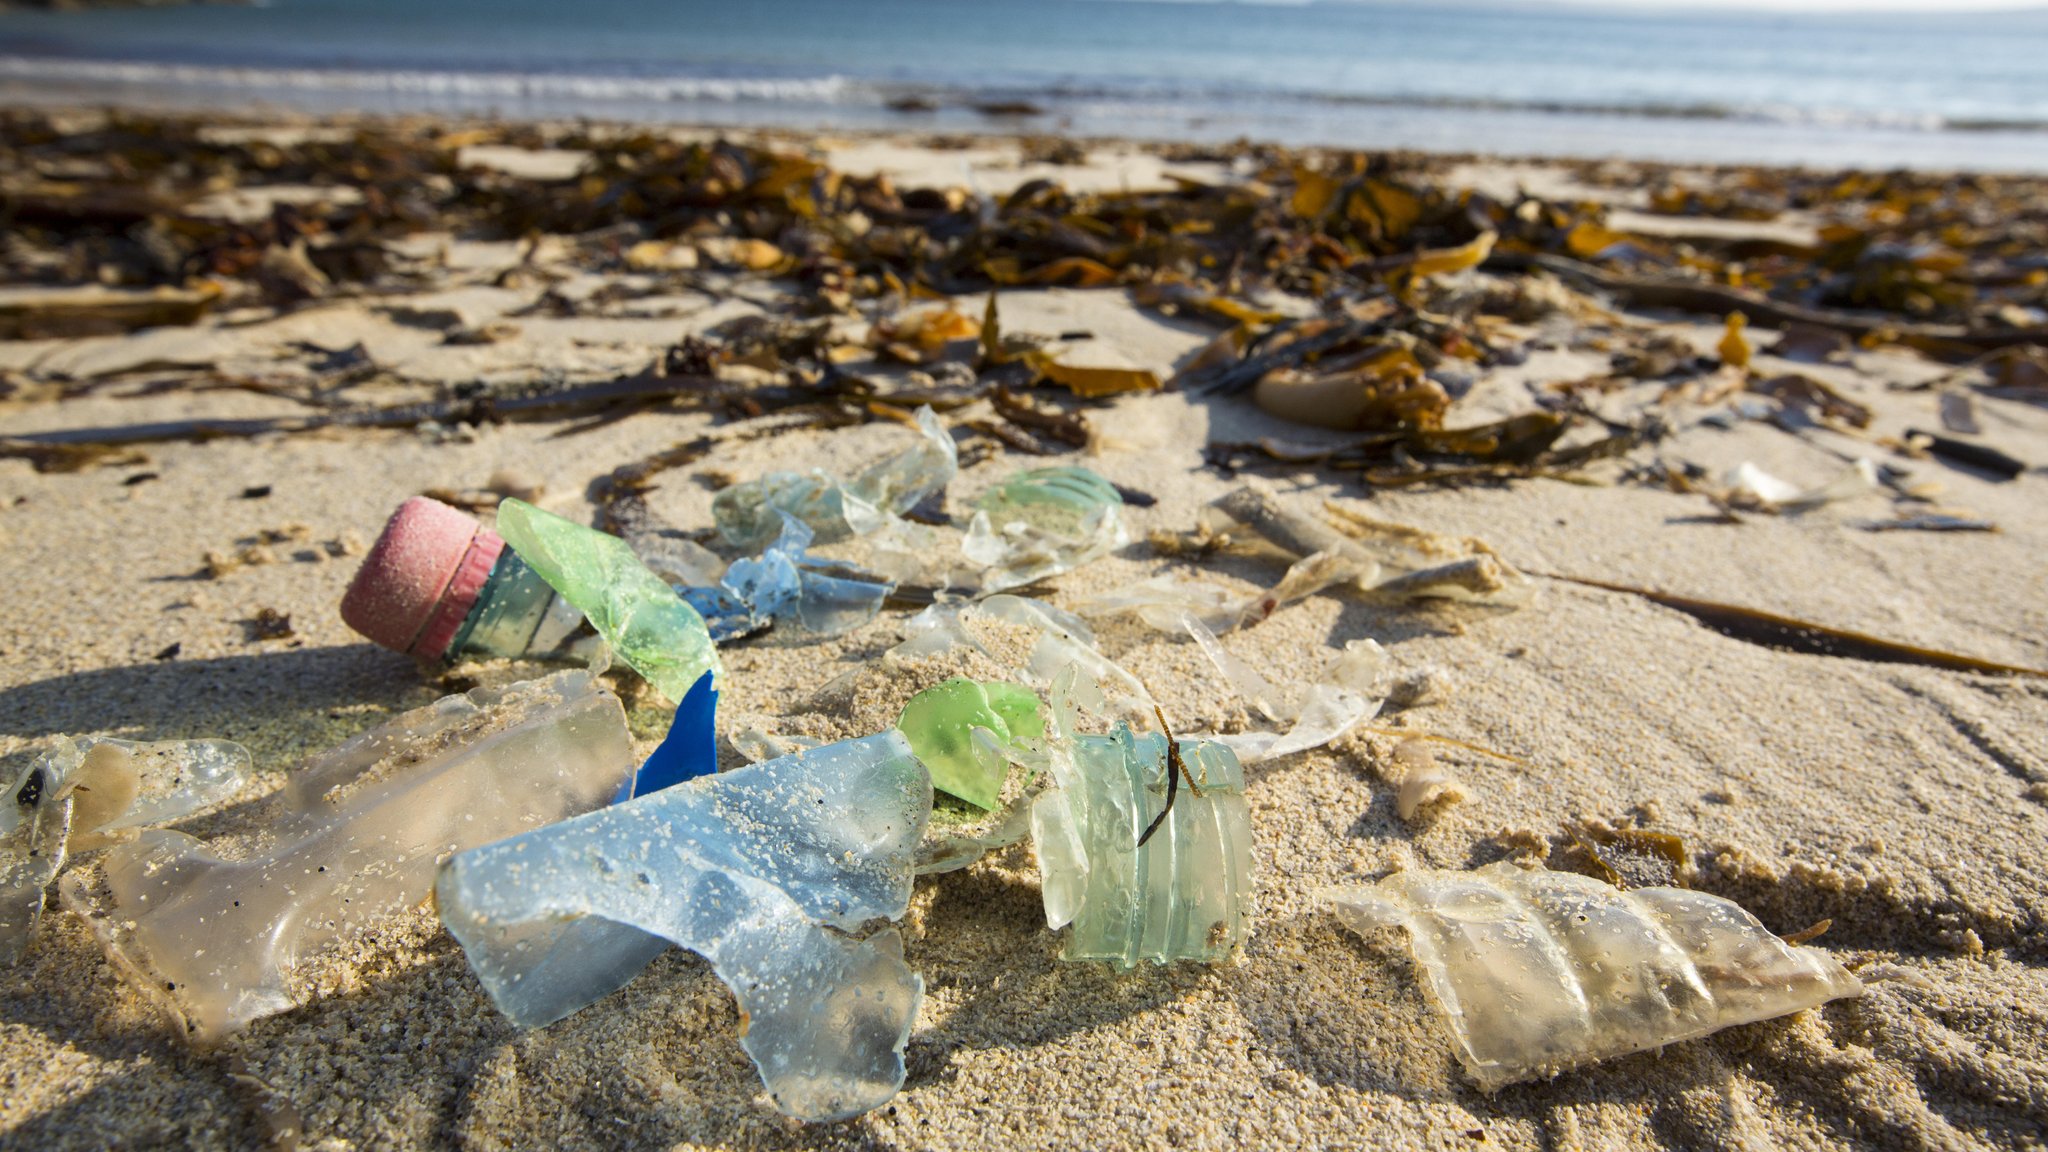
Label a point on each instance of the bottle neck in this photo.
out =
(516, 614)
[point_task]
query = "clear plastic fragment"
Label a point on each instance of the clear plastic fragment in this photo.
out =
(1345, 694)
(752, 869)
(1536, 972)
(87, 793)
(1185, 895)
(1043, 522)
(786, 584)
(749, 515)
(215, 937)
(638, 614)
(1748, 481)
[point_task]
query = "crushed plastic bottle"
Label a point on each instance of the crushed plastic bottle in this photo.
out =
(1186, 893)
(92, 792)
(1536, 971)
(1041, 523)
(762, 871)
(214, 937)
(639, 615)
(749, 514)
(942, 724)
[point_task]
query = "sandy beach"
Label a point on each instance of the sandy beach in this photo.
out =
(1905, 804)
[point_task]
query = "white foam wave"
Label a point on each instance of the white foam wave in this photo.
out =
(423, 83)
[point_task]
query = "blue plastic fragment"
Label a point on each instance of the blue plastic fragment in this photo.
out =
(688, 751)
(785, 580)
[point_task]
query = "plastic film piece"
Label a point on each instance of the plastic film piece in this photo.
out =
(1535, 971)
(1186, 895)
(214, 940)
(749, 515)
(748, 869)
(940, 723)
(1065, 641)
(87, 793)
(640, 616)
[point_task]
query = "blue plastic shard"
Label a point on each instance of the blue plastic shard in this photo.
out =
(786, 583)
(688, 751)
(762, 871)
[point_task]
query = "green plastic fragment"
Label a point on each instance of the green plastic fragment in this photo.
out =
(637, 613)
(1185, 895)
(939, 722)
(1053, 499)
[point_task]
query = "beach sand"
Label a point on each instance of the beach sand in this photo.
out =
(1906, 804)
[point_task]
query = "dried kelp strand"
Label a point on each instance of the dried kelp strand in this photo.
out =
(1788, 634)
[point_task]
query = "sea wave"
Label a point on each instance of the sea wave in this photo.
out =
(1145, 99)
(413, 82)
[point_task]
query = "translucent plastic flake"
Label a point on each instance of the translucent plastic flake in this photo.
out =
(639, 615)
(1186, 894)
(749, 515)
(1043, 522)
(754, 870)
(1537, 971)
(941, 722)
(214, 938)
(787, 584)
(94, 791)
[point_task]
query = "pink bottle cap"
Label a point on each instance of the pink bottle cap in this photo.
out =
(421, 578)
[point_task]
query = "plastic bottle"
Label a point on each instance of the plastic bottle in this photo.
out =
(437, 584)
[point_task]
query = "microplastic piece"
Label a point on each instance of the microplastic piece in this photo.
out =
(87, 793)
(786, 583)
(749, 515)
(1858, 479)
(1536, 971)
(215, 938)
(1041, 523)
(759, 870)
(1186, 894)
(638, 614)
(940, 721)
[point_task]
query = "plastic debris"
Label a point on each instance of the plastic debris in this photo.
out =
(749, 515)
(92, 792)
(1186, 893)
(1536, 972)
(1346, 694)
(758, 870)
(942, 724)
(1043, 522)
(786, 583)
(214, 937)
(1752, 487)
(1425, 783)
(638, 614)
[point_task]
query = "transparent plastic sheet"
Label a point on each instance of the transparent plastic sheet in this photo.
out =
(214, 940)
(749, 515)
(963, 730)
(759, 870)
(1535, 972)
(1348, 691)
(91, 792)
(639, 615)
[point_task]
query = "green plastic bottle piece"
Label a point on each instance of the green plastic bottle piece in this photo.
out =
(939, 722)
(1185, 895)
(637, 613)
(1055, 499)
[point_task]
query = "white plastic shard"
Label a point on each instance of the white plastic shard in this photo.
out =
(1064, 640)
(215, 936)
(1536, 972)
(1347, 693)
(756, 870)
(1748, 480)
(94, 791)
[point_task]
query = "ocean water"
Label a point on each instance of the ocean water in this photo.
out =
(1933, 90)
